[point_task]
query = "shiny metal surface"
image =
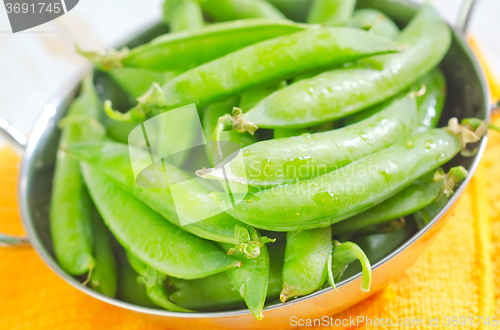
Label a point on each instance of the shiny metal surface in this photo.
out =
(468, 96)
(16, 136)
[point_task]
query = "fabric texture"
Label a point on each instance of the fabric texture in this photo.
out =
(456, 276)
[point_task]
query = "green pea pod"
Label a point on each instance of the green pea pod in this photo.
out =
(251, 97)
(70, 218)
(339, 93)
(154, 282)
(216, 292)
(331, 12)
(374, 21)
(305, 267)
(342, 255)
(135, 82)
(284, 133)
(104, 277)
(113, 160)
(156, 242)
(348, 191)
(210, 293)
(230, 10)
(267, 62)
(418, 195)
(430, 93)
(182, 15)
(184, 50)
(276, 261)
(210, 116)
(308, 156)
(129, 290)
(251, 279)
(431, 102)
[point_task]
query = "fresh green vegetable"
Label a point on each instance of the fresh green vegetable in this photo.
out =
(342, 255)
(156, 242)
(104, 276)
(418, 195)
(218, 292)
(341, 92)
(113, 160)
(283, 161)
(135, 82)
(306, 256)
(210, 116)
(181, 51)
(129, 290)
(331, 12)
(341, 194)
(229, 10)
(70, 216)
(262, 63)
(284, 133)
(251, 279)
(182, 15)
(431, 103)
(154, 283)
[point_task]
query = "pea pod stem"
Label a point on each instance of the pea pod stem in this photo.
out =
(140, 111)
(475, 123)
(252, 278)
(211, 115)
(105, 60)
(250, 243)
(226, 122)
(342, 255)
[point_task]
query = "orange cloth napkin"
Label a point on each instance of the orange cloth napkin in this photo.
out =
(457, 276)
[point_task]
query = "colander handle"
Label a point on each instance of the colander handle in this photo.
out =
(462, 26)
(22, 141)
(13, 133)
(464, 15)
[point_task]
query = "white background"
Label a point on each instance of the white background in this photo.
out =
(35, 63)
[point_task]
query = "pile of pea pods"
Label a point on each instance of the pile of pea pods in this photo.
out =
(336, 120)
